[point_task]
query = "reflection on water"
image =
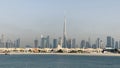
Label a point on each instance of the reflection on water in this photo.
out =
(58, 61)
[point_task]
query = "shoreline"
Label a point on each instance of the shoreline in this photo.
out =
(67, 54)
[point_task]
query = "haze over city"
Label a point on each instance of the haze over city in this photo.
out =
(28, 19)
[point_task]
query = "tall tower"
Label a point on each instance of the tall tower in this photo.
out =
(64, 34)
(18, 43)
(109, 42)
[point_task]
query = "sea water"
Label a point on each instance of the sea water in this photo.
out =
(58, 61)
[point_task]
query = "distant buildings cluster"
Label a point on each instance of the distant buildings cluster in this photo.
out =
(12, 44)
(9, 43)
(46, 42)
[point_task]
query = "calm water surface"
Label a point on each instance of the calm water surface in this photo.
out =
(58, 61)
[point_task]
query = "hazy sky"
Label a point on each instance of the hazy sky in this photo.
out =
(28, 19)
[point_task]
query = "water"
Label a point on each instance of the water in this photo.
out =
(58, 61)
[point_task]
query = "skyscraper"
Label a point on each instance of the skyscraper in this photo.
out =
(69, 45)
(74, 43)
(116, 45)
(7, 44)
(98, 42)
(87, 45)
(54, 43)
(42, 42)
(113, 45)
(45, 42)
(82, 44)
(89, 40)
(64, 35)
(18, 43)
(110, 42)
(119, 44)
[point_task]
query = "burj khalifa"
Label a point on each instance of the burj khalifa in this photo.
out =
(64, 34)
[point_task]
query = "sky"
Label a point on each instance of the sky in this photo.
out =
(29, 19)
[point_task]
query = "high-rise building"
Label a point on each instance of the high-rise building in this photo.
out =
(11, 44)
(36, 43)
(87, 45)
(7, 44)
(45, 42)
(69, 45)
(50, 46)
(109, 42)
(98, 42)
(102, 44)
(18, 43)
(116, 45)
(82, 44)
(64, 35)
(113, 45)
(54, 43)
(119, 44)
(74, 43)
(89, 40)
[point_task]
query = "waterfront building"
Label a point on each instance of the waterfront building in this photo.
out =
(11, 44)
(98, 42)
(87, 45)
(102, 44)
(74, 43)
(119, 45)
(45, 42)
(14, 44)
(109, 42)
(18, 43)
(82, 44)
(113, 45)
(55, 43)
(42, 42)
(69, 43)
(89, 41)
(7, 44)
(116, 45)
(50, 46)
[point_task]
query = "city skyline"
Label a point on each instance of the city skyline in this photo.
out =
(30, 19)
